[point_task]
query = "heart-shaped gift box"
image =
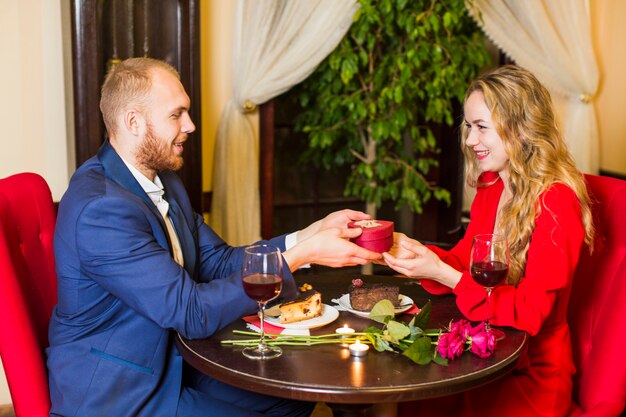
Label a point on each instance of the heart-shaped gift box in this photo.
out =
(377, 235)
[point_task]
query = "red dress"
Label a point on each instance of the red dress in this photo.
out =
(541, 384)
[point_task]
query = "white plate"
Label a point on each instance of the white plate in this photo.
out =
(344, 301)
(329, 314)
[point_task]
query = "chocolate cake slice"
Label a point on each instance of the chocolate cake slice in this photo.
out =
(363, 297)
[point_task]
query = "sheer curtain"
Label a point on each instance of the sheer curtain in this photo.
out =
(552, 38)
(278, 43)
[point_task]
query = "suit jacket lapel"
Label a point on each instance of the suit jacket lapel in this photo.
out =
(116, 170)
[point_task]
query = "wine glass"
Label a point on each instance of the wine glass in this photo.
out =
(489, 266)
(262, 281)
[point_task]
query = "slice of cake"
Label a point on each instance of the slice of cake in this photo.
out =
(364, 296)
(306, 306)
(377, 235)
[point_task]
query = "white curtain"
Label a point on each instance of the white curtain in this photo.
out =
(552, 38)
(278, 43)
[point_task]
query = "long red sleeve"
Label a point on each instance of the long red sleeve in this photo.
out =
(552, 258)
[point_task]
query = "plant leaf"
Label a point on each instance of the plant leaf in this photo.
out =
(421, 351)
(421, 319)
(382, 310)
(378, 341)
(397, 331)
(439, 360)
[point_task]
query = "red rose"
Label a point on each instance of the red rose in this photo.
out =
(483, 343)
(450, 345)
(462, 327)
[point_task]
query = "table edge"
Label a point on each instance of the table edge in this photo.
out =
(349, 395)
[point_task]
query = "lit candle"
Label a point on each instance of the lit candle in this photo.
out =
(345, 330)
(358, 348)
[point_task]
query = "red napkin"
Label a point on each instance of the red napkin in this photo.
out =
(268, 328)
(413, 310)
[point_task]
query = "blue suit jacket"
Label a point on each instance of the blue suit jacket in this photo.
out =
(121, 295)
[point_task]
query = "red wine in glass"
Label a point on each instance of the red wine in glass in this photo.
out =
(489, 273)
(262, 280)
(262, 287)
(489, 266)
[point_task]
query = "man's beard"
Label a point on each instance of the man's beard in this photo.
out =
(157, 154)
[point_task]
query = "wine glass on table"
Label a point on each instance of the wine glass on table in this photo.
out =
(489, 266)
(262, 281)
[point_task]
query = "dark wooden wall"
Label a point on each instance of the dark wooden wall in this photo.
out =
(106, 31)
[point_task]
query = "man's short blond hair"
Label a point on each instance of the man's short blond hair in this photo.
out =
(127, 85)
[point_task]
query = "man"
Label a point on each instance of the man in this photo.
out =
(135, 263)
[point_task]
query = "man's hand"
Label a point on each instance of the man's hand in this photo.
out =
(338, 219)
(330, 247)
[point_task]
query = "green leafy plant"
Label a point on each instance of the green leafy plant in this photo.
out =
(371, 103)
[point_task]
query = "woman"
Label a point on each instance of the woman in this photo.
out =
(529, 190)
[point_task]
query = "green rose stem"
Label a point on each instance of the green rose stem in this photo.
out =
(295, 340)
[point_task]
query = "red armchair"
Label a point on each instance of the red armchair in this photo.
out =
(597, 307)
(28, 289)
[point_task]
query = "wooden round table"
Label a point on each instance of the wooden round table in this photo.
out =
(349, 385)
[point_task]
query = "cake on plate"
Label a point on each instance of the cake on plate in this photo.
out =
(377, 235)
(364, 296)
(306, 306)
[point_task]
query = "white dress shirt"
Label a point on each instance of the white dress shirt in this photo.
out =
(155, 192)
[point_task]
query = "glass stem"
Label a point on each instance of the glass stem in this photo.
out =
(262, 316)
(489, 312)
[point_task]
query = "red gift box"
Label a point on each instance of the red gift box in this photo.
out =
(377, 235)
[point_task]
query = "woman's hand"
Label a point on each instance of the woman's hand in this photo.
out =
(409, 257)
(398, 251)
(330, 247)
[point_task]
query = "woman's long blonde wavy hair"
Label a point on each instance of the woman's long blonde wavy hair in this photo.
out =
(523, 116)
